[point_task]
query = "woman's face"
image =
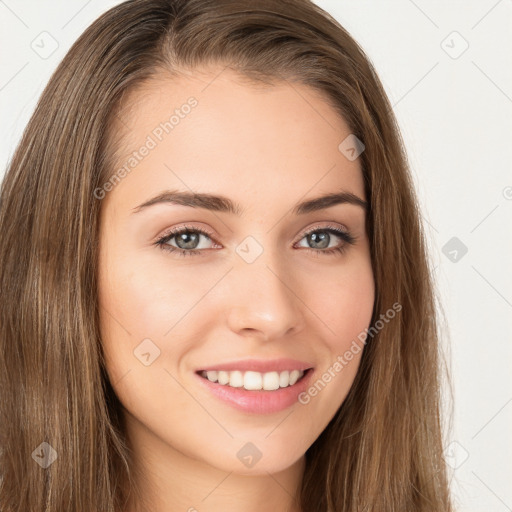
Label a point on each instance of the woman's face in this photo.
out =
(264, 284)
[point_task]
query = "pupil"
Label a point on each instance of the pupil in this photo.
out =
(182, 243)
(323, 237)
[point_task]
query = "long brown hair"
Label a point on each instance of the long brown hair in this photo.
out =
(383, 450)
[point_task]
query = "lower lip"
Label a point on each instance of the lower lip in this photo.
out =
(259, 401)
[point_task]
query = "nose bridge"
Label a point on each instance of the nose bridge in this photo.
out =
(263, 297)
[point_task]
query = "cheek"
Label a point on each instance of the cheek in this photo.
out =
(142, 300)
(146, 299)
(139, 308)
(342, 301)
(343, 309)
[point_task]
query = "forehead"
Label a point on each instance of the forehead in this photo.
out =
(213, 130)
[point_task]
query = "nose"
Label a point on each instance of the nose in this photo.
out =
(264, 301)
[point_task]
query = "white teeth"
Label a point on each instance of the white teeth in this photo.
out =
(294, 377)
(254, 381)
(236, 379)
(212, 375)
(223, 377)
(270, 380)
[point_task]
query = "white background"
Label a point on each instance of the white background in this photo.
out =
(455, 110)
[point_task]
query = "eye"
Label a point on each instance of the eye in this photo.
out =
(188, 240)
(320, 238)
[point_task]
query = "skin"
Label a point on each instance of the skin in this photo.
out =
(267, 148)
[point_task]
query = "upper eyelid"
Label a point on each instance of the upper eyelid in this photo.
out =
(176, 231)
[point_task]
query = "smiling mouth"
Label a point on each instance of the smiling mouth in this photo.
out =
(255, 381)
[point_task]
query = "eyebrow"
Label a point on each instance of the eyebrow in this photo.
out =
(223, 204)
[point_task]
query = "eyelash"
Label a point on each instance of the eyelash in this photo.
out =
(344, 235)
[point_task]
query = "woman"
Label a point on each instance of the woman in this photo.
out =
(291, 361)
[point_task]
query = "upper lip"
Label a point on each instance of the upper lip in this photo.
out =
(260, 365)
